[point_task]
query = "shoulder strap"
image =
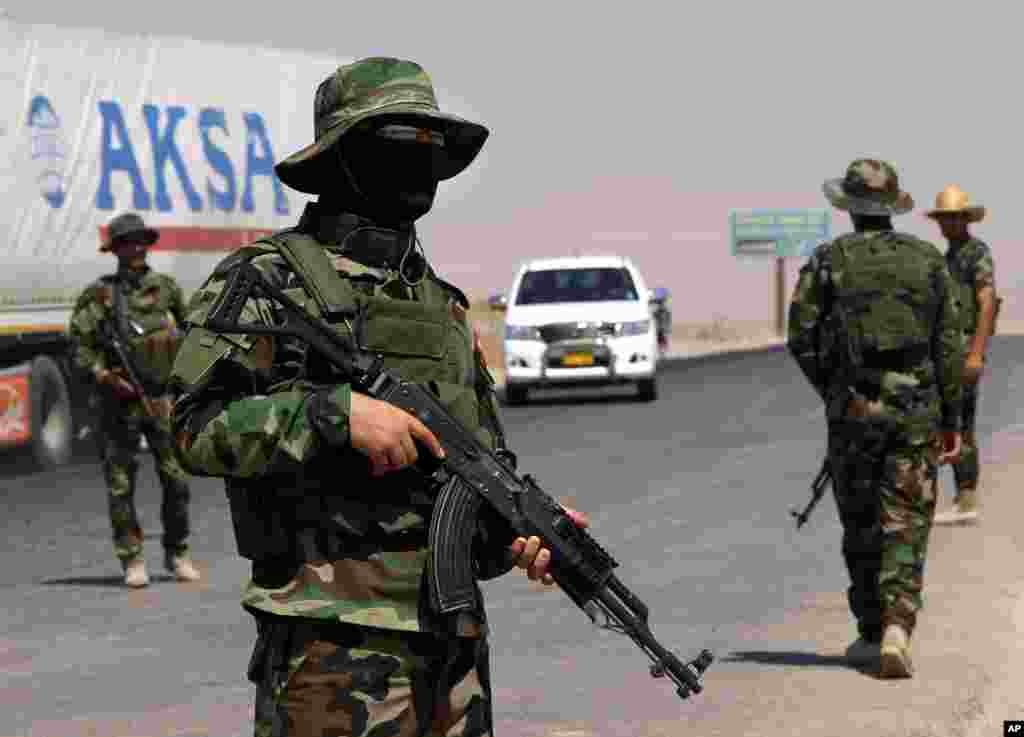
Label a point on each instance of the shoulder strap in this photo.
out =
(310, 262)
(240, 255)
(459, 295)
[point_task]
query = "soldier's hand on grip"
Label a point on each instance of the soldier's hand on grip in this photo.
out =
(387, 434)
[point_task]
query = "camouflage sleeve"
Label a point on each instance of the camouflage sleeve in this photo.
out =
(233, 418)
(804, 325)
(984, 269)
(177, 302)
(948, 354)
(87, 353)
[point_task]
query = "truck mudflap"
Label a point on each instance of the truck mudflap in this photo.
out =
(14, 406)
(36, 410)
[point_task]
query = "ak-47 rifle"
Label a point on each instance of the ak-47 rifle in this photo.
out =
(113, 332)
(818, 486)
(469, 476)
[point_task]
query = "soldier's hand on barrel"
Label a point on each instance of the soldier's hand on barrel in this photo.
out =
(531, 556)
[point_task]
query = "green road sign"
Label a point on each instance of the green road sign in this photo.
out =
(779, 233)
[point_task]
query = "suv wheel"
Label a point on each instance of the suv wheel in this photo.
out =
(515, 394)
(647, 389)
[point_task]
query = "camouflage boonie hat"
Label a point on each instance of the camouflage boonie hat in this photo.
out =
(870, 187)
(377, 86)
(127, 226)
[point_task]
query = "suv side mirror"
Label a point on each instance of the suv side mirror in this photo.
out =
(658, 295)
(498, 302)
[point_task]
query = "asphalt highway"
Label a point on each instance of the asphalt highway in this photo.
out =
(691, 494)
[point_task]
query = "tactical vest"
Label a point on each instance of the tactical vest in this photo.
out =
(889, 288)
(331, 507)
(143, 319)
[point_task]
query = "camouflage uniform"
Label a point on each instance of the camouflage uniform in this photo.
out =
(155, 301)
(971, 266)
(347, 644)
(884, 415)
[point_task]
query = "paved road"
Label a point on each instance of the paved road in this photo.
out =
(689, 493)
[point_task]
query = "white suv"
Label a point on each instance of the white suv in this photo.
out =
(582, 320)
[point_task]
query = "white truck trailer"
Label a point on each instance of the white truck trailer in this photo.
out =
(93, 124)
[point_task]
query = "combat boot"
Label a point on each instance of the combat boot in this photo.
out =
(964, 511)
(895, 656)
(863, 652)
(181, 566)
(135, 573)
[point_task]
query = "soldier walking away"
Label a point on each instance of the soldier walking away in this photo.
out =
(874, 326)
(143, 309)
(324, 499)
(970, 263)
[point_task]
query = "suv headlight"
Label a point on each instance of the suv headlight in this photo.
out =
(636, 327)
(521, 332)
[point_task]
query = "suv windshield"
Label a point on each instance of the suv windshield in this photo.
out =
(575, 285)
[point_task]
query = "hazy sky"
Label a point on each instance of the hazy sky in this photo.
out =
(634, 127)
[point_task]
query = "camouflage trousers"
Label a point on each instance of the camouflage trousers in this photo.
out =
(885, 491)
(967, 470)
(118, 440)
(340, 680)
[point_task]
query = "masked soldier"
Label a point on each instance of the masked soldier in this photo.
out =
(970, 264)
(142, 310)
(874, 326)
(324, 497)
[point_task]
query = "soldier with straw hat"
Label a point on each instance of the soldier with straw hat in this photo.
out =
(970, 263)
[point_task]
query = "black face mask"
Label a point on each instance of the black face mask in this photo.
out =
(393, 171)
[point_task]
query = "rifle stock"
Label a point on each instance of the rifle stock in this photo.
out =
(818, 486)
(470, 475)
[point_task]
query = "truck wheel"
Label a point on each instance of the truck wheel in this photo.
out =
(647, 389)
(515, 395)
(50, 414)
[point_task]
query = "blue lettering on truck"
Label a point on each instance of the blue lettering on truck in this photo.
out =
(164, 151)
(220, 199)
(117, 157)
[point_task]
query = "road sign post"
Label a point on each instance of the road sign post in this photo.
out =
(778, 233)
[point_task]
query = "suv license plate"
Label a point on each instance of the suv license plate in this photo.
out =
(578, 359)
